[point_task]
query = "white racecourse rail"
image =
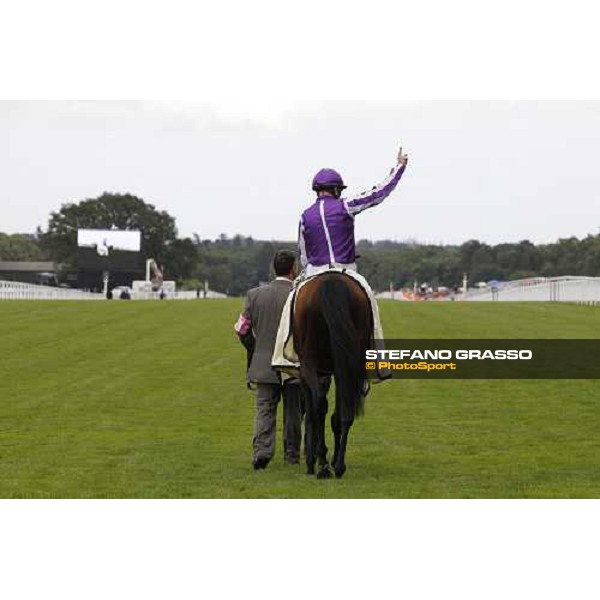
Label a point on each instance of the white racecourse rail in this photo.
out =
(13, 290)
(185, 295)
(553, 289)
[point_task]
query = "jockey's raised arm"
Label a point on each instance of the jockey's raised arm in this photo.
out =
(377, 194)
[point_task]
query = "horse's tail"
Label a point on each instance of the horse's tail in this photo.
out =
(348, 357)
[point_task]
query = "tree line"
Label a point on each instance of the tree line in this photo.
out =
(235, 264)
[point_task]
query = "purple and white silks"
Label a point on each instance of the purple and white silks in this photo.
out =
(326, 230)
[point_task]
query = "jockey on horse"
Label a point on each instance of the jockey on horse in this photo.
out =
(326, 242)
(331, 317)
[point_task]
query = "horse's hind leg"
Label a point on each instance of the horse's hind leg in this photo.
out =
(309, 430)
(336, 427)
(321, 448)
(341, 429)
(339, 465)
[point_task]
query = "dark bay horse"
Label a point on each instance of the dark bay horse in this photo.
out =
(332, 326)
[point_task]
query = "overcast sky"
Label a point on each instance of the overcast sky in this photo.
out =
(496, 171)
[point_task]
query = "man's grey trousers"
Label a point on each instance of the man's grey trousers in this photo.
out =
(267, 398)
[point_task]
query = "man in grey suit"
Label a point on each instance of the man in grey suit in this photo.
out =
(257, 330)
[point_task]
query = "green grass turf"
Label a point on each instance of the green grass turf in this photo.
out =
(147, 400)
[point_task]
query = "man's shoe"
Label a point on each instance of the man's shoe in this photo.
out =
(260, 463)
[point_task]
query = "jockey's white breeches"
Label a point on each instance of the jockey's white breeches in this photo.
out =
(311, 270)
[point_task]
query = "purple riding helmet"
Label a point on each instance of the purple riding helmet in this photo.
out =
(328, 179)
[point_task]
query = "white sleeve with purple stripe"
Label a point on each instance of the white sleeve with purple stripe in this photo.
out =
(302, 244)
(376, 195)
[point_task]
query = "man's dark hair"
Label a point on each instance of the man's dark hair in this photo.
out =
(283, 262)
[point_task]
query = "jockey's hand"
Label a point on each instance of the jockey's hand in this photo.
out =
(402, 158)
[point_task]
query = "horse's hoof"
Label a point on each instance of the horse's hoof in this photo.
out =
(324, 473)
(339, 472)
(310, 470)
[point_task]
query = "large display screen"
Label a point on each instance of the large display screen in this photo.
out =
(109, 250)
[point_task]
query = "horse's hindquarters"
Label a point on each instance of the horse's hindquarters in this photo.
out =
(332, 329)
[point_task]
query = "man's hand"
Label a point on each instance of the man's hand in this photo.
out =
(402, 158)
